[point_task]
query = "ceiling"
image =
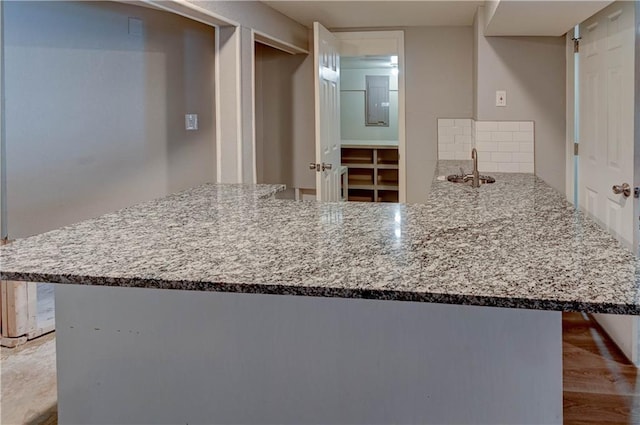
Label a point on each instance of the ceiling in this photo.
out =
(509, 17)
(530, 17)
(337, 14)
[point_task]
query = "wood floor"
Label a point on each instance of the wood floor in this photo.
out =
(600, 385)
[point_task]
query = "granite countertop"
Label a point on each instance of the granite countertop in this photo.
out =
(515, 243)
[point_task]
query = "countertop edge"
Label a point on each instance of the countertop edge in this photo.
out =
(325, 292)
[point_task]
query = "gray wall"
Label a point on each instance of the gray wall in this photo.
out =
(95, 116)
(283, 114)
(439, 84)
(352, 106)
(532, 71)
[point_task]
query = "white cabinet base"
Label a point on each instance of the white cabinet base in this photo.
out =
(159, 356)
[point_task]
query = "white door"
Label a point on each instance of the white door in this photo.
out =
(607, 137)
(327, 97)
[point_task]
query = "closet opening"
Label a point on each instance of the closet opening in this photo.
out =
(281, 118)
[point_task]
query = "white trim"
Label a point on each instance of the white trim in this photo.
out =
(204, 16)
(253, 108)
(316, 96)
(402, 142)
(370, 142)
(218, 103)
(368, 35)
(270, 41)
(191, 11)
(570, 116)
(238, 69)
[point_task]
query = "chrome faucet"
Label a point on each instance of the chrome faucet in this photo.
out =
(476, 173)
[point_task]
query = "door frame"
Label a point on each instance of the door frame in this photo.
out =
(618, 327)
(360, 43)
(571, 183)
(571, 165)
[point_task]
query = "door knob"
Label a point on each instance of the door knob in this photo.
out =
(624, 189)
(326, 166)
(313, 166)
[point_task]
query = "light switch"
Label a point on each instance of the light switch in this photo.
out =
(501, 98)
(191, 121)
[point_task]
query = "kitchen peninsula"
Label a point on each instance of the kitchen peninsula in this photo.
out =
(290, 312)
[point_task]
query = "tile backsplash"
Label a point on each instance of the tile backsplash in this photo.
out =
(455, 138)
(503, 146)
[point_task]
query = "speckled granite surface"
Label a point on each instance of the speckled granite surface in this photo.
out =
(515, 243)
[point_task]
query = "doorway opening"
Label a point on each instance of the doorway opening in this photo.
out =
(369, 126)
(281, 113)
(372, 116)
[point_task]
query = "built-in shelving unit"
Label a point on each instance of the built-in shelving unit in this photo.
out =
(372, 171)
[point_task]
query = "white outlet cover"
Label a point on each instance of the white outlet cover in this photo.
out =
(191, 121)
(501, 98)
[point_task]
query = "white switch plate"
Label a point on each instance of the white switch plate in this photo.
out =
(191, 121)
(135, 26)
(501, 98)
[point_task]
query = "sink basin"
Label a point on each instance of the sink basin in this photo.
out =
(468, 179)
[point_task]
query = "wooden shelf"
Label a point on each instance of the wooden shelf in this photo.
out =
(387, 196)
(356, 165)
(357, 155)
(361, 176)
(372, 173)
(387, 177)
(359, 195)
(387, 156)
(387, 166)
(362, 186)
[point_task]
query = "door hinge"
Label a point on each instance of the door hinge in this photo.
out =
(576, 44)
(576, 149)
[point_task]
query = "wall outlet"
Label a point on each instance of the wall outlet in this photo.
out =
(191, 121)
(501, 98)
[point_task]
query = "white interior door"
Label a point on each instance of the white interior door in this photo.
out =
(327, 107)
(607, 137)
